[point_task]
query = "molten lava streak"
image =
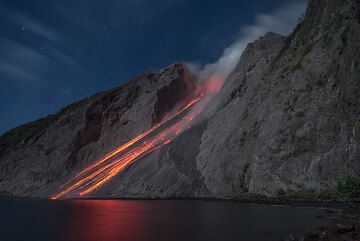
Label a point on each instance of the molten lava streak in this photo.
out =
(161, 134)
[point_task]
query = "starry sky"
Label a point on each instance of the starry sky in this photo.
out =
(54, 52)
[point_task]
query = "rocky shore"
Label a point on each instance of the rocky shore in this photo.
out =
(347, 227)
(346, 216)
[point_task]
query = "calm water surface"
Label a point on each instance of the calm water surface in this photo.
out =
(108, 220)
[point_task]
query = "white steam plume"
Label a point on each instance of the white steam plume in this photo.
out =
(280, 21)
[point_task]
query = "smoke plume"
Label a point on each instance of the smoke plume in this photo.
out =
(281, 21)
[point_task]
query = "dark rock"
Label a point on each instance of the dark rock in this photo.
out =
(344, 228)
(311, 234)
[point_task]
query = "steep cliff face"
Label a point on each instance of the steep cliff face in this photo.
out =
(309, 134)
(230, 140)
(295, 124)
(38, 156)
(286, 119)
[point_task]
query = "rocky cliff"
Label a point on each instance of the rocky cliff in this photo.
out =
(37, 157)
(291, 122)
(286, 120)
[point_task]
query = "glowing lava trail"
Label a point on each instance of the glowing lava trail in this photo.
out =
(100, 172)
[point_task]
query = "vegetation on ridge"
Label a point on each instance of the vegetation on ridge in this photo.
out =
(33, 130)
(350, 188)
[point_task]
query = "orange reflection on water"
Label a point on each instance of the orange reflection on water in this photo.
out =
(107, 220)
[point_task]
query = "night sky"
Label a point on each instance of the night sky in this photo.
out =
(55, 52)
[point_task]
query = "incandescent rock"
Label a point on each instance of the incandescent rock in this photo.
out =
(38, 156)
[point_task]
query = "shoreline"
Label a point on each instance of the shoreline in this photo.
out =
(260, 200)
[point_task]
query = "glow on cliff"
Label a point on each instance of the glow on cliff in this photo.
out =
(161, 134)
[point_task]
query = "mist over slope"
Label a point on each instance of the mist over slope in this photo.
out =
(286, 120)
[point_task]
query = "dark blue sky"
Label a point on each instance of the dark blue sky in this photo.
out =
(54, 52)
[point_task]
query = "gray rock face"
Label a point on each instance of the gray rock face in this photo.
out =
(286, 119)
(38, 157)
(291, 123)
(168, 173)
(229, 142)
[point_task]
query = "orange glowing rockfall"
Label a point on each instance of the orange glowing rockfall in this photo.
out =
(133, 141)
(100, 172)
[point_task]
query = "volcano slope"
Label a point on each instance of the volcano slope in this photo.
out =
(38, 157)
(286, 121)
